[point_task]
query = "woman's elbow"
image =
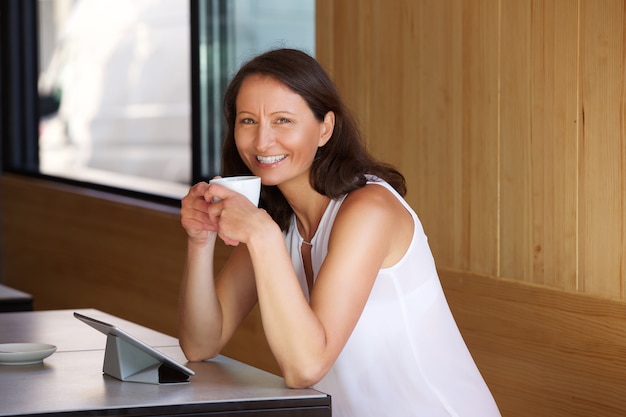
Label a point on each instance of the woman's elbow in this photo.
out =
(303, 376)
(198, 353)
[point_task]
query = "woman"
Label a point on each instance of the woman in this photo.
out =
(347, 288)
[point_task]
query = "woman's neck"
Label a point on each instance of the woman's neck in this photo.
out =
(309, 221)
(309, 207)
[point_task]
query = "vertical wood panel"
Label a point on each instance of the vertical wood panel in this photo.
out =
(432, 150)
(479, 226)
(539, 141)
(554, 138)
(602, 194)
(386, 127)
(325, 34)
(516, 196)
(351, 59)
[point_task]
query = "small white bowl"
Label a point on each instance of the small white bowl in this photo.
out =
(25, 353)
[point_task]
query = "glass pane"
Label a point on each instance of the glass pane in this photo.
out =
(115, 83)
(114, 93)
(260, 25)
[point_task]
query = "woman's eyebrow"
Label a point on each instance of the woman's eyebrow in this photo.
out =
(271, 114)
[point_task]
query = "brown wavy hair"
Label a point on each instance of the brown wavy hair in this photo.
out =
(341, 165)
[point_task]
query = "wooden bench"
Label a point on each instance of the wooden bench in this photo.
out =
(543, 352)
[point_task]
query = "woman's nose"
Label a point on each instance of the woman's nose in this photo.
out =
(264, 137)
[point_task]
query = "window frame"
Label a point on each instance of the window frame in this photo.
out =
(18, 87)
(206, 140)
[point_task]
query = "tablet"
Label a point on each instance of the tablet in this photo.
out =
(109, 329)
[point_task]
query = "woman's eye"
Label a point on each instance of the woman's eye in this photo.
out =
(246, 121)
(282, 120)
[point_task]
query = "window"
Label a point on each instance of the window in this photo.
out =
(127, 94)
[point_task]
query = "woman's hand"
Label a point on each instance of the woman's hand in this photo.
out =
(236, 217)
(194, 213)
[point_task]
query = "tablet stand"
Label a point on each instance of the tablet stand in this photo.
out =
(129, 363)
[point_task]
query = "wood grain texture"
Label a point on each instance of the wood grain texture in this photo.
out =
(543, 352)
(480, 114)
(554, 143)
(602, 172)
(516, 140)
(434, 123)
(538, 136)
(508, 119)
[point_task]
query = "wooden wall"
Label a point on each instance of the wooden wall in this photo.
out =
(507, 118)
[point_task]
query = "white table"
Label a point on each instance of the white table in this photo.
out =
(71, 380)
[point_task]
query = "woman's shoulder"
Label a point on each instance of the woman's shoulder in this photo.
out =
(376, 198)
(374, 192)
(375, 215)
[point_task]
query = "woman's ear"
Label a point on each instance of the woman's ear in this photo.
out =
(326, 128)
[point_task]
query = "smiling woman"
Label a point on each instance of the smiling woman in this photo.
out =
(347, 307)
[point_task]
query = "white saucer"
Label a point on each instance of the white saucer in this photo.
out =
(24, 353)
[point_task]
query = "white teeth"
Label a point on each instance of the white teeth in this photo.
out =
(270, 159)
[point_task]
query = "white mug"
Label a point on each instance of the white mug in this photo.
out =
(248, 185)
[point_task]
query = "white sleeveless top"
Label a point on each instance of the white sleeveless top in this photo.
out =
(406, 356)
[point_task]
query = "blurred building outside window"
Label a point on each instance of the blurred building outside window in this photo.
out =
(115, 89)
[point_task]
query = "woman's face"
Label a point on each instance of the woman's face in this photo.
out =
(276, 133)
